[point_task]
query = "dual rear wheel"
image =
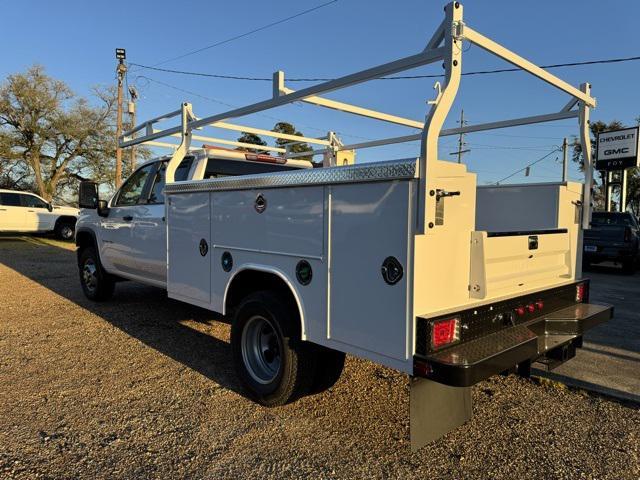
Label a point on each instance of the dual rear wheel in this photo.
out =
(274, 365)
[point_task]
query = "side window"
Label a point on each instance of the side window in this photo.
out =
(182, 174)
(32, 201)
(132, 189)
(156, 195)
(10, 199)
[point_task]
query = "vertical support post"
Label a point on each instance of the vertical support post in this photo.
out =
(132, 114)
(565, 160)
(585, 140)
(623, 191)
(278, 83)
(439, 110)
(608, 190)
(461, 137)
(185, 143)
(120, 71)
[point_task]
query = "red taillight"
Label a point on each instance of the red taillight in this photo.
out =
(520, 311)
(445, 332)
(540, 304)
(581, 292)
(531, 307)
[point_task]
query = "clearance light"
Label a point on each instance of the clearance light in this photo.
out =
(445, 332)
(581, 292)
(531, 307)
(540, 304)
(520, 311)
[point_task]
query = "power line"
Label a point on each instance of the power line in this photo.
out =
(404, 77)
(555, 150)
(246, 34)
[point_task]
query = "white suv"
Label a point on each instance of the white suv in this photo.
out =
(27, 212)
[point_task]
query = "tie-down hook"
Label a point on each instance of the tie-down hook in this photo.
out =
(435, 101)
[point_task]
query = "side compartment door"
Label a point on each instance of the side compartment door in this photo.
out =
(12, 213)
(118, 250)
(189, 247)
(370, 230)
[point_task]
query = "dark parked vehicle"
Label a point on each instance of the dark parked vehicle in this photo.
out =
(614, 237)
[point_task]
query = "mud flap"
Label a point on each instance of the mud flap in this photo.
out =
(436, 409)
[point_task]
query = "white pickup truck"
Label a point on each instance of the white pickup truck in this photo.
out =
(407, 263)
(24, 212)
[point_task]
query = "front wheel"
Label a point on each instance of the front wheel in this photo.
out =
(65, 231)
(274, 365)
(96, 284)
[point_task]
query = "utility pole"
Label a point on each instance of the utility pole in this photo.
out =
(120, 71)
(565, 159)
(460, 140)
(133, 95)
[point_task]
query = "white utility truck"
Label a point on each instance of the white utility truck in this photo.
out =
(407, 263)
(25, 212)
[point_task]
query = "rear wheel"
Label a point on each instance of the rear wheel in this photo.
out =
(96, 284)
(64, 231)
(274, 365)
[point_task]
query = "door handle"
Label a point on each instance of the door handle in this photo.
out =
(127, 218)
(3, 209)
(31, 211)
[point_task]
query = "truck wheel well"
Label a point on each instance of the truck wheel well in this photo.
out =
(249, 281)
(66, 219)
(84, 239)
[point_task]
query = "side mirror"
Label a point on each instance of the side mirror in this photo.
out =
(50, 207)
(88, 195)
(103, 209)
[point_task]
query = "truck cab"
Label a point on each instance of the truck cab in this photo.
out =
(130, 231)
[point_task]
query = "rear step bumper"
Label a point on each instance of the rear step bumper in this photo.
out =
(552, 336)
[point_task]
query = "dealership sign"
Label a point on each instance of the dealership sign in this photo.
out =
(617, 150)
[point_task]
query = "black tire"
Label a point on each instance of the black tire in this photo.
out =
(329, 366)
(274, 365)
(65, 231)
(97, 284)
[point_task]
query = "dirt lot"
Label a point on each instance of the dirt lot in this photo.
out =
(143, 387)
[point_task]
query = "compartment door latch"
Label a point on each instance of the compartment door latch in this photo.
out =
(440, 195)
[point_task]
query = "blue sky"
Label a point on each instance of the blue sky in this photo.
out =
(75, 41)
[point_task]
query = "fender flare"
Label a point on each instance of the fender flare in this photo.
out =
(273, 271)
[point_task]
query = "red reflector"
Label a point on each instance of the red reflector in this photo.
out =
(520, 311)
(445, 332)
(540, 304)
(531, 307)
(581, 291)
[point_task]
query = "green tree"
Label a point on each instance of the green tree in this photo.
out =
(289, 129)
(51, 138)
(253, 139)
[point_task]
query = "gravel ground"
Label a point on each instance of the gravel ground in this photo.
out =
(143, 387)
